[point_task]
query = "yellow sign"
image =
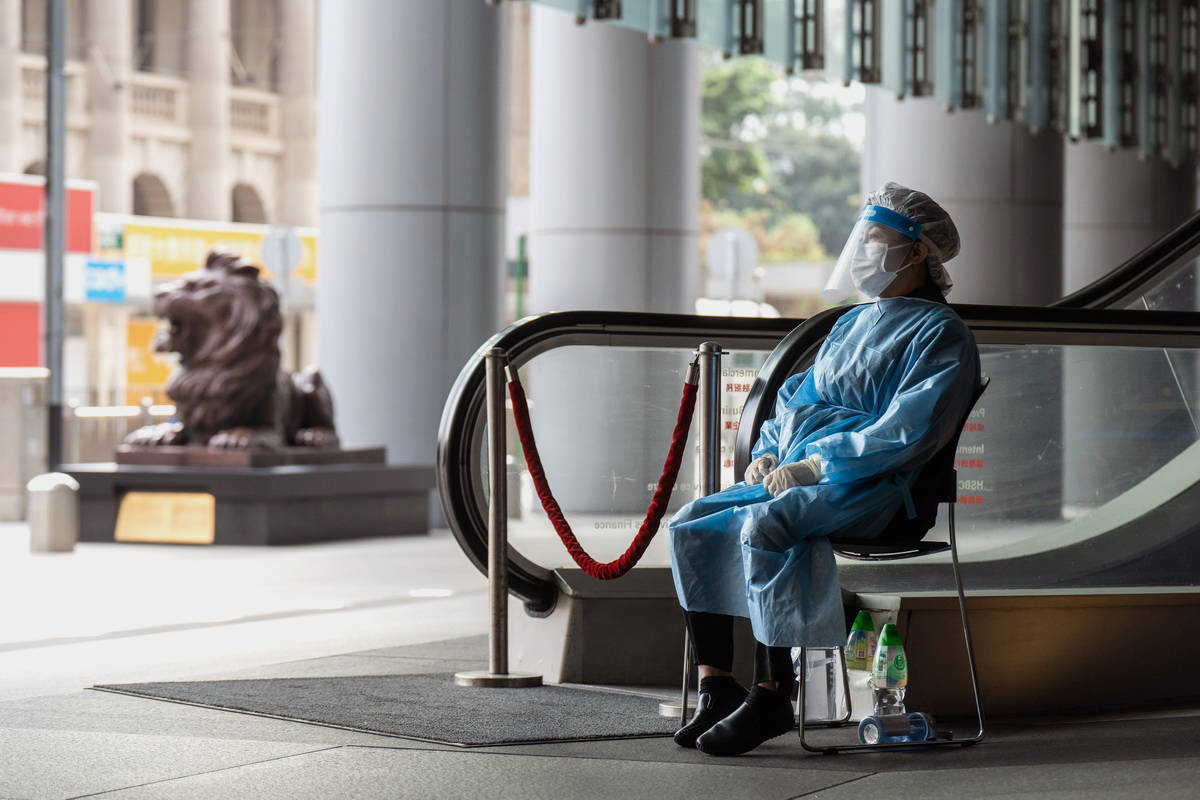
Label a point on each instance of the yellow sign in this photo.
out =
(173, 250)
(171, 517)
(146, 372)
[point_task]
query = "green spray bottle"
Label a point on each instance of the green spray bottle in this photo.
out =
(860, 646)
(889, 674)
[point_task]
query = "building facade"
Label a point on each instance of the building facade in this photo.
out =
(201, 109)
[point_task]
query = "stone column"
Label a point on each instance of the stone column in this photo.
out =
(410, 160)
(1116, 204)
(614, 198)
(110, 69)
(208, 42)
(1124, 409)
(614, 168)
(298, 108)
(1000, 183)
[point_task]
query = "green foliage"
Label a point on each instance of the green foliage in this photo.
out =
(792, 237)
(772, 145)
(734, 93)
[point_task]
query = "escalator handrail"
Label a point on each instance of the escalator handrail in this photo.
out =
(458, 476)
(459, 479)
(1139, 270)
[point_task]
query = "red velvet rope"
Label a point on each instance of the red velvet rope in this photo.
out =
(658, 504)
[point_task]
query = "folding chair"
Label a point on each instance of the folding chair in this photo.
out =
(900, 540)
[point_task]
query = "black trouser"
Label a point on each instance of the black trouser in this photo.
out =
(712, 641)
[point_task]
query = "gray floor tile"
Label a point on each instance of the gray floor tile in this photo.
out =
(372, 773)
(354, 664)
(467, 647)
(60, 764)
(1162, 779)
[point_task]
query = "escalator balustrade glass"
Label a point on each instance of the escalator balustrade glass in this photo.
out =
(602, 418)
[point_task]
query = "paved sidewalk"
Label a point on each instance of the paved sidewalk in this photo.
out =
(124, 613)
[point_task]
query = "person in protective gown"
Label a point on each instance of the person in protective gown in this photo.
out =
(849, 435)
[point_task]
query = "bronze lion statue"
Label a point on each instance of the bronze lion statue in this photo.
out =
(229, 392)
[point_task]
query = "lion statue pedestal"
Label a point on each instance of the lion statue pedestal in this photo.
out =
(251, 455)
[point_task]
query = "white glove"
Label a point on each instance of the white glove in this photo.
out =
(800, 473)
(759, 468)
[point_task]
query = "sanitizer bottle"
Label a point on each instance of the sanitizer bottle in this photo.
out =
(860, 647)
(889, 674)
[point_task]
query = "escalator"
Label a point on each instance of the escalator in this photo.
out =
(1076, 471)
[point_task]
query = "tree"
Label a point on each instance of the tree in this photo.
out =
(780, 146)
(734, 94)
(791, 238)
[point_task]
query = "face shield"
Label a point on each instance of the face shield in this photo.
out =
(873, 255)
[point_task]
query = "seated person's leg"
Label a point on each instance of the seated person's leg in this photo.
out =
(720, 693)
(773, 669)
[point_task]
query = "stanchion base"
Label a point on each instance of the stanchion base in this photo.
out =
(511, 680)
(671, 708)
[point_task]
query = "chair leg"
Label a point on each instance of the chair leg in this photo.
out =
(846, 683)
(687, 676)
(962, 610)
(802, 682)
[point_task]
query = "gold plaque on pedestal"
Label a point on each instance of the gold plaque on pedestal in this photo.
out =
(172, 517)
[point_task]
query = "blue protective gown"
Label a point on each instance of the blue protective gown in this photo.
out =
(887, 389)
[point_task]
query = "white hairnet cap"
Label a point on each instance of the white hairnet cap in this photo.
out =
(937, 229)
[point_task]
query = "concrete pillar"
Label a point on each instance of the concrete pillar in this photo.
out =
(208, 42)
(518, 98)
(411, 196)
(1116, 204)
(110, 67)
(1124, 410)
(10, 86)
(298, 107)
(53, 513)
(614, 198)
(1001, 184)
(614, 168)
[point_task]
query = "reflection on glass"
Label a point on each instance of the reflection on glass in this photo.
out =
(603, 418)
(1175, 291)
(1068, 443)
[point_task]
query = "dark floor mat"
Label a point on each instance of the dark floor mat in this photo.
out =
(428, 707)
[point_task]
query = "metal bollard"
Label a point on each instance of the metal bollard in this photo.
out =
(53, 512)
(708, 410)
(496, 363)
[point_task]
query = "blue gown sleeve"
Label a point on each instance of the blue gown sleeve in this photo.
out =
(939, 380)
(768, 436)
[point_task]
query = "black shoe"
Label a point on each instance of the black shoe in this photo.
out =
(717, 699)
(765, 715)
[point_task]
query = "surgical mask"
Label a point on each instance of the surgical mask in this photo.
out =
(868, 267)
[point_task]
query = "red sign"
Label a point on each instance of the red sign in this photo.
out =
(20, 335)
(22, 208)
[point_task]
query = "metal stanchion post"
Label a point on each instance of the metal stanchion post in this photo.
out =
(496, 362)
(709, 404)
(709, 411)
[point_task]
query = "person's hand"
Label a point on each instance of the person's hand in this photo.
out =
(800, 473)
(759, 468)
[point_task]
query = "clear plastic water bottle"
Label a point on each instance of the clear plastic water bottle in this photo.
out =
(860, 646)
(889, 673)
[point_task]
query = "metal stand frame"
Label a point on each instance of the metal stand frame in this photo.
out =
(832, 692)
(497, 675)
(962, 608)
